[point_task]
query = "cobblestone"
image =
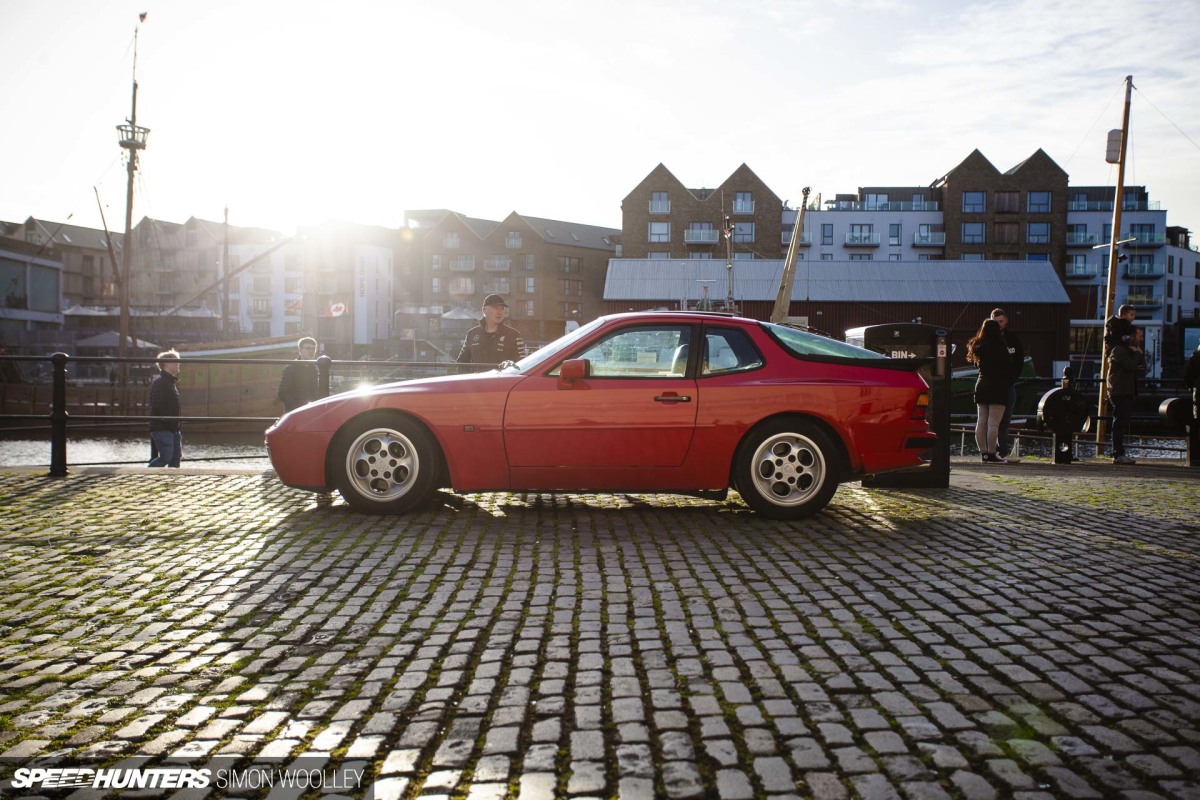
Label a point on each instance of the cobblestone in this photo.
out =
(1025, 633)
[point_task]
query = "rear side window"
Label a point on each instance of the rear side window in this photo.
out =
(728, 350)
(805, 344)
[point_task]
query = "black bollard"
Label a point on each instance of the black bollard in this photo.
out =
(58, 416)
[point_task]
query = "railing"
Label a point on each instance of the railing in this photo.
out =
(701, 235)
(929, 239)
(60, 419)
(1107, 205)
(1082, 239)
(805, 238)
(863, 205)
(1086, 271)
(862, 239)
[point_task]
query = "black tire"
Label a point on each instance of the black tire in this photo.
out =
(384, 464)
(788, 468)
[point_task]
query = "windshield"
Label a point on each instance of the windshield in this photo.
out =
(551, 350)
(803, 343)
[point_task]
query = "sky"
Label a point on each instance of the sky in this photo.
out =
(293, 112)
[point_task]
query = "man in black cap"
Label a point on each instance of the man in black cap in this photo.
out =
(491, 341)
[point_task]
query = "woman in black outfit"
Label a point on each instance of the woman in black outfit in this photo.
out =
(988, 351)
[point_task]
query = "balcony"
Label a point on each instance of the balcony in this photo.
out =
(937, 239)
(701, 236)
(1152, 270)
(1143, 301)
(1081, 271)
(1107, 205)
(1083, 239)
(743, 207)
(660, 206)
(1145, 239)
(497, 264)
(805, 238)
(862, 240)
(862, 205)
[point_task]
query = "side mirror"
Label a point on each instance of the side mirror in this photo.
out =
(573, 369)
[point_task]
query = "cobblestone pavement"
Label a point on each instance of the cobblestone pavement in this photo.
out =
(1027, 633)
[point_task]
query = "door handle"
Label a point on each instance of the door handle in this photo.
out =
(671, 397)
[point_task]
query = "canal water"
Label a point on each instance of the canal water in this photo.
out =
(133, 449)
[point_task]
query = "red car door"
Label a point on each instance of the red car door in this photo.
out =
(635, 408)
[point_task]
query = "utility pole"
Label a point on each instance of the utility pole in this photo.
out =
(133, 139)
(1110, 298)
(226, 317)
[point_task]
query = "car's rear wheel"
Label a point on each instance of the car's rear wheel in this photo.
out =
(384, 464)
(788, 469)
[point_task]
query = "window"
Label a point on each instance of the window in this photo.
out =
(860, 256)
(972, 256)
(1077, 265)
(497, 263)
(1008, 202)
(743, 256)
(570, 311)
(526, 307)
(657, 255)
(660, 203)
(861, 234)
(699, 255)
(743, 203)
(568, 287)
(643, 352)
(512, 239)
(1142, 231)
(437, 262)
(659, 232)
(461, 286)
(462, 263)
(568, 265)
(1037, 233)
(435, 285)
(743, 231)
(701, 233)
(972, 233)
(1141, 266)
(1007, 233)
(876, 202)
(1077, 233)
(529, 286)
(530, 262)
(826, 233)
(1171, 265)
(894, 234)
(1038, 257)
(1107, 233)
(974, 202)
(728, 350)
(450, 240)
(827, 256)
(1039, 203)
(895, 257)
(499, 285)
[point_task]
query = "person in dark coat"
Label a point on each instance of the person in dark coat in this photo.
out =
(165, 434)
(298, 385)
(988, 351)
(1016, 352)
(491, 341)
(1125, 362)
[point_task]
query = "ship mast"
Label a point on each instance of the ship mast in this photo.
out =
(133, 139)
(783, 299)
(1110, 298)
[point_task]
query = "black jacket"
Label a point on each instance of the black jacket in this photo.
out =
(298, 385)
(1016, 351)
(995, 372)
(164, 401)
(481, 347)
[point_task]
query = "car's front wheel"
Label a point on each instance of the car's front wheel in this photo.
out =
(788, 469)
(384, 464)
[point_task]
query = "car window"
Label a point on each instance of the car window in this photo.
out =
(648, 351)
(728, 350)
(803, 343)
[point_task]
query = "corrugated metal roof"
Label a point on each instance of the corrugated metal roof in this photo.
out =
(838, 281)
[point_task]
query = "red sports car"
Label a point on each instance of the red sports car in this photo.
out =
(642, 402)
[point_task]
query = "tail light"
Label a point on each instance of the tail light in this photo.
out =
(921, 407)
